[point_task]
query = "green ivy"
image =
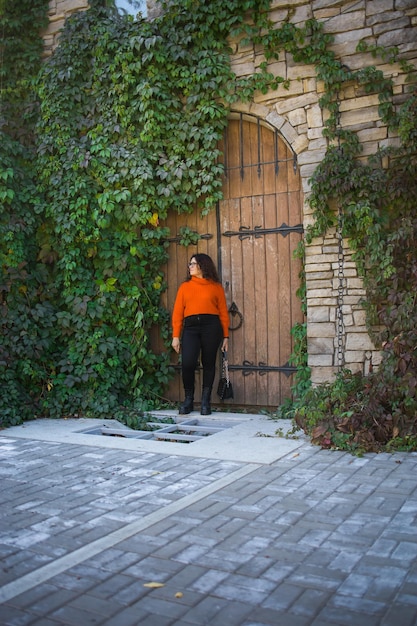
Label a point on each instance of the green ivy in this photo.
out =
(130, 118)
(27, 317)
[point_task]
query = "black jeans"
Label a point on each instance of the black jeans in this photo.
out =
(201, 334)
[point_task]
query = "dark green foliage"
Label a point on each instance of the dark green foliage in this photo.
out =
(26, 315)
(129, 119)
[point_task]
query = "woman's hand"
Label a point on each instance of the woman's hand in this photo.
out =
(176, 344)
(225, 344)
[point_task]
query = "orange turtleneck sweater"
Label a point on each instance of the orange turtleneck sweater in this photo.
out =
(199, 296)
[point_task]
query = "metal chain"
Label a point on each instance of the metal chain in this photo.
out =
(340, 324)
(341, 336)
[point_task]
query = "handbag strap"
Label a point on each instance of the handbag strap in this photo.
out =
(225, 367)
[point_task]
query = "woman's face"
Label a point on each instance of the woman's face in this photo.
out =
(194, 268)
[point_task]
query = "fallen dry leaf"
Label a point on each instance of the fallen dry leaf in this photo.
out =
(154, 585)
(179, 594)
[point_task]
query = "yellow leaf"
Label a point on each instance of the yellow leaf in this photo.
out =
(154, 585)
(154, 220)
(179, 594)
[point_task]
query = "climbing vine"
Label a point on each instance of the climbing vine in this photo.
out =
(131, 113)
(26, 315)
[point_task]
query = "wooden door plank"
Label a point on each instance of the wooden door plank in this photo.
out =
(263, 288)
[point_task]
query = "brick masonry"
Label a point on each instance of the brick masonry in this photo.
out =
(295, 112)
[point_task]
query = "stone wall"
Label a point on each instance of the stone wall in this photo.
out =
(297, 115)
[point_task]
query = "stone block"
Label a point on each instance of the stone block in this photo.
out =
(318, 144)
(297, 71)
(398, 37)
(309, 84)
(360, 317)
(320, 294)
(348, 320)
(360, 117)
(351, 37)
(321, 375)
(345, 22)
(321, 329)
(297, 117)
(314, 133)
(70, 6)
(396, 21)
(300, 144)
(314, 248)
(318, 314)
(322, 360)
(312, 156)
(307, 170)
(289, 104)
(356, 368)
(354, 300)
(359, 103)
(322, 269)
(359, 341)
(324, 14)
(354, 283)
(278, 16)
(330, 249)
(277, 4)
(372, 134)
(317, 283)
(289, 132)
(275, 119)
(301, 14)
(314, 116)
(393, 142)
(328, 301)
(377, 357)
(258, 109)
(320, 345)
(378, 7)
(326, 4)
(315, 258)
(295, 88)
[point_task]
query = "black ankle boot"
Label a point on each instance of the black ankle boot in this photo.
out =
(188, 405)
(205, 401)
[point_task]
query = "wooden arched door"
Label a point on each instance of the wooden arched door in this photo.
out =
(252, 236)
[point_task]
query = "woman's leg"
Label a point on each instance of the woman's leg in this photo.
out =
(190, 351)
(211, 338)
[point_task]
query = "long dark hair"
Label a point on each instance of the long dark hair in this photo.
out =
(207, 266)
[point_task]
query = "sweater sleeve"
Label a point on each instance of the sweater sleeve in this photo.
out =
(223, 312)
(178, 313)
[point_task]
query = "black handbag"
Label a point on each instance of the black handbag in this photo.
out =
(224, 388)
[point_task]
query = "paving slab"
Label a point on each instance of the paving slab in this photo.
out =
(247, 438)
(258, 531)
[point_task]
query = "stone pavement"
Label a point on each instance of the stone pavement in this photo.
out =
(131, 534)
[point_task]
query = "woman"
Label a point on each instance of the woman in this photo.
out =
(200, 314)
